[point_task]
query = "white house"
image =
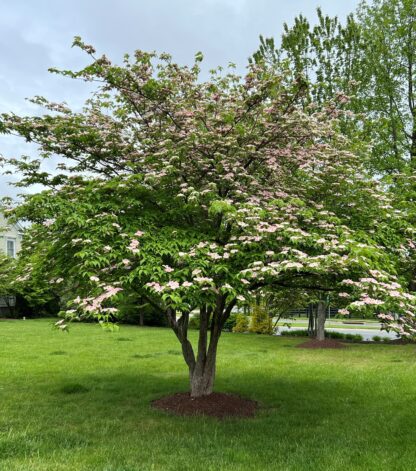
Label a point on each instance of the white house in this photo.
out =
(10, 237)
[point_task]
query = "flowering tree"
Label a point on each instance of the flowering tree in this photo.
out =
(195, 194)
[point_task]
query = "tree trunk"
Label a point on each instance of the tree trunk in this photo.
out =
(320, 324)
(202, 366)
(311, 321)
(202, 378)
(141, 319)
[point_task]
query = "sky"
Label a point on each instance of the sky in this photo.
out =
(36, 35)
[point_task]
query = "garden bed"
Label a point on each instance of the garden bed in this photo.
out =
(218, 405)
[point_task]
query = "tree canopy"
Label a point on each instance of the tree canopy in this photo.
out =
(196, 194)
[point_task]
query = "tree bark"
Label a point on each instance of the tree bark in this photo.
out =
(311, 321)
(202, 377)
(320, 324)
(141, 319)
(202, 366)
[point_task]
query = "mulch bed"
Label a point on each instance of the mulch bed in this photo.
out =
(218, 405)
(327, 343)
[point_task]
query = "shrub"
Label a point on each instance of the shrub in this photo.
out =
(330, 335)
(295, 333)
(230, 322)
(376, 338)
(241, 324)
(131, 308)
(261, 322)
(335, 335)
(194, 322)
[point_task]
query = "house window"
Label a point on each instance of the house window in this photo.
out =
(11, 248)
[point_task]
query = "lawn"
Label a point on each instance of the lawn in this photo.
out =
(81, 401)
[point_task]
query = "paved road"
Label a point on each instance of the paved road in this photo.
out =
(366, 334)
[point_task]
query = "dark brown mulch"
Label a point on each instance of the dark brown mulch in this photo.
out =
(327, 343)
(218, 405)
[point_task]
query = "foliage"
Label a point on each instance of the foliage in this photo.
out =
(242, 323)
(367, 65)
(7, 275)
(149, 201)
(261, 322)
(194, 322)
(133, 310)
(328, 334)
(230, 323)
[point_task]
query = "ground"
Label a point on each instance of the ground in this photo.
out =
(82, 401)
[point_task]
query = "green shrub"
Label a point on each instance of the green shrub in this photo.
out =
(329, 335)
(194, 322)
(335, 335)
(241, 324)
(261, 323)
(131, 308)
(385, 339)
(230, 323)
(295, 333)
(376, 338)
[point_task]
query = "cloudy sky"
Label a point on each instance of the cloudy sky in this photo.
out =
(36, 35)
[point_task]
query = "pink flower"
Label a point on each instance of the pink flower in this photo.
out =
(375, 302)
(173, 285)
(156, 286)
(134, 244)
(111, 290)
(167, 268)
(138, 233)
(48, 222)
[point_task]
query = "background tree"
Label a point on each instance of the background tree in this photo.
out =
(371, 59)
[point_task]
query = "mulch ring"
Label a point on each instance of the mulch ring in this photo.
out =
(327, 343)
(218, 405)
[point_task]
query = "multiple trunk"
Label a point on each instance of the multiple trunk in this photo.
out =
(202, 365)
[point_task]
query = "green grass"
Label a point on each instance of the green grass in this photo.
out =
(81, 401)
